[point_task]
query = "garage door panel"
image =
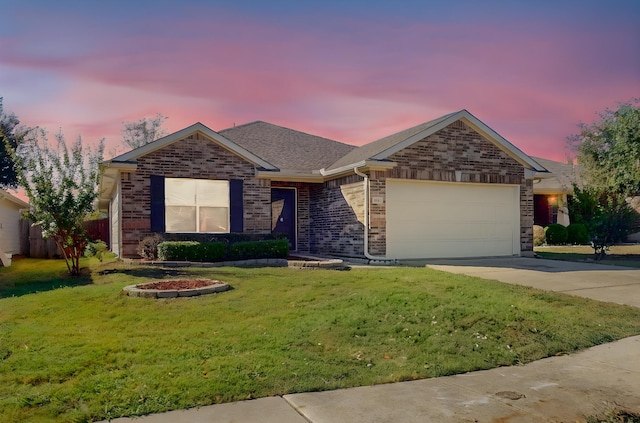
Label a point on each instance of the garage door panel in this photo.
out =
(427, 219)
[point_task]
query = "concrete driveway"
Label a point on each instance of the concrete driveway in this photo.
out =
(615, 284)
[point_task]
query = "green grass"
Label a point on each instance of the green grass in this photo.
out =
(27, 276)
(88, 352)
(618, 255)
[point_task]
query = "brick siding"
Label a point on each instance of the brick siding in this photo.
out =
(337, 217)
(194, 157)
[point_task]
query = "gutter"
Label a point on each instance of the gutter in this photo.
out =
(374, 259)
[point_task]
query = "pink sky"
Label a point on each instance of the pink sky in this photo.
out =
(343, 70)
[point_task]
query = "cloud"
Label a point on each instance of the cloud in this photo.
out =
(333, 74)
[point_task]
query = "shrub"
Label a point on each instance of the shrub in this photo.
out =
(148, 247)
(538, 235)
(96, 248)
(259, 249)
(556, 234)
(192, 251)
(174, 250)
(577, 234)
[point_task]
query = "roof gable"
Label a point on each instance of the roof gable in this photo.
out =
(287, 148)
(385, 147)
(560, 178)
(184, 133)
(5, 195)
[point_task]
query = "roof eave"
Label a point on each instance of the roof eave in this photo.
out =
(13, 199)
(289, 176)
(363, 165)
(109, 179)
(324, 175)
(183, 133)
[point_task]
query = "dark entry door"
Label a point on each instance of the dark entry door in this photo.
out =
(283, 214)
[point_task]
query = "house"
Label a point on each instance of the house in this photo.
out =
(551, 193)
(450, 187)
(11, 208)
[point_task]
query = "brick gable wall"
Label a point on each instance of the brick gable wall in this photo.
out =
(436, 158)
(194, 157)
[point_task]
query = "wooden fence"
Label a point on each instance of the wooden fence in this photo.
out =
(32, 244)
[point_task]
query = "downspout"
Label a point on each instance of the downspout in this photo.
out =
(367, 221)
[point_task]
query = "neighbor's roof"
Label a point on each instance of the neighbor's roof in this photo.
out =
(10, 197)
(559, 181)
(286, 148)
(385, 147)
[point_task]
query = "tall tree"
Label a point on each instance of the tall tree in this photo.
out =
(608, 149)
(608, 152)
(10, 134)
(143, 131)
(62, 186)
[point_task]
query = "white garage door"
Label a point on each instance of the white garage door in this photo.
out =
(439, 219)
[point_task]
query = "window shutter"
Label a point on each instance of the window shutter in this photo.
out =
(157, 203)
(236, 212)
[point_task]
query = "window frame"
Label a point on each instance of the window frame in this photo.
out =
(197, 203)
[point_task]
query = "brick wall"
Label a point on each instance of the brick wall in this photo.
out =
(436, 158)
(194, 157)
(337, 217)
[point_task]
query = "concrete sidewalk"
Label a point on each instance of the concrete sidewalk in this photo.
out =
(557, 389)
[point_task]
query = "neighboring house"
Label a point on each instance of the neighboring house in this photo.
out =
(11, 208)
(451, 187)
(551, 192)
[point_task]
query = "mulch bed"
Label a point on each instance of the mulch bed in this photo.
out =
(179, 284)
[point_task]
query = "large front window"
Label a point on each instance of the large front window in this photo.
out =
(196, 205)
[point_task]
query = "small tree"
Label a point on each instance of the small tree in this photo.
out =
(10, 134)
(62, 186)
(140, 132)
(608, 152)
(607, 216)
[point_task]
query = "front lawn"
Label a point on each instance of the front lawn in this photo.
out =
(87, 352)
(618, 255)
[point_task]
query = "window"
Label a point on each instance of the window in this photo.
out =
(196, 205)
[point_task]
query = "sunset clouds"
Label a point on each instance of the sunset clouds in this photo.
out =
(344, 70)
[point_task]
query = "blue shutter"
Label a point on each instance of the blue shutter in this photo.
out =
(157, 203)
(236, 212)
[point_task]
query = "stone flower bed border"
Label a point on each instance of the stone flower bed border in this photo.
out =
(137, 291)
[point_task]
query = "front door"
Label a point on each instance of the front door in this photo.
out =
(283, 214)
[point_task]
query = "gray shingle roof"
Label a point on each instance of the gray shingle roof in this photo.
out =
(561, 179)
(286, 148)
(371, 149)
